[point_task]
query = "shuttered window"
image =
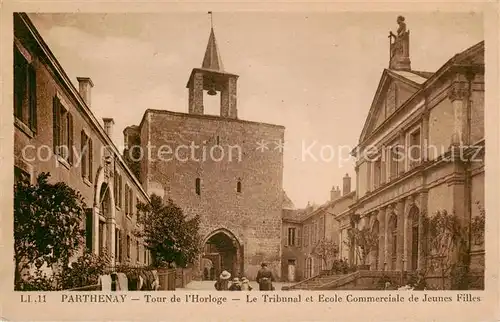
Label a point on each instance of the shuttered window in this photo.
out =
(25, 102)
(62, 131)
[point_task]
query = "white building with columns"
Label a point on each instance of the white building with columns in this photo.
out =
(405, 161)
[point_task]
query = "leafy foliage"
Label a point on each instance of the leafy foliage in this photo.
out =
(171, 237)
(326, 249)
(38, 280)
(47, 223)
(84, 271)
(363, 241)
(449, 242)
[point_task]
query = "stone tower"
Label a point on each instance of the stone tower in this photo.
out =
(209, 165)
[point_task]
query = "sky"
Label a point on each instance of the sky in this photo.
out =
(314, 73)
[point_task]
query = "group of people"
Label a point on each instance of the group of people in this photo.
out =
(264, 279)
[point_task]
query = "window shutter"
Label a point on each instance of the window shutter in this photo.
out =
(83, 154)
(32, 93)
(115, 188)
(55, 124)
(131, 199)
(70, 138)
(90, 161)
(120, 191)
(299, 236)
(126, 199)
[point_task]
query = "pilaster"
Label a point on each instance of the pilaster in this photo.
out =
(382, 238)
(421, 230)
(95, 230)
(110, 238)
(196, 94)
(387, 251)
(400, 211)
(457, 94)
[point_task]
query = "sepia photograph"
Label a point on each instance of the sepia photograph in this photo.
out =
(270, 152)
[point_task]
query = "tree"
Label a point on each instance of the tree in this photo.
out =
(325, 249)
(47, 224)
(171, 237)
(449, 241)
(363, 241)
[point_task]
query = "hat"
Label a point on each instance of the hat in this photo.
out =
(236, 280)
(263, 264)
(244, 280)
(225, 275)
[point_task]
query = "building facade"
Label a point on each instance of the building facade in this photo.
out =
(421, 151)
(210, 165)
(305, 229)
(56, 132)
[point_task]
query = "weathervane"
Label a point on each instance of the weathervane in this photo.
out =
(211, 20)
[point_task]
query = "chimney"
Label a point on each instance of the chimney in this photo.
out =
(108, 125)
(334, 193)
(85, 87)
(347, 184)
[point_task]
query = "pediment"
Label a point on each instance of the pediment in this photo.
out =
(393, 90)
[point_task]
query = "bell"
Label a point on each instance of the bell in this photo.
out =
(212, 91)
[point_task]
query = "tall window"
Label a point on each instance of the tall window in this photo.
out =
(62, 131)
(137, 251)
(137, 201)
(126, 200)
(144, 259)
(86, 156)
(238, 186)
(394, 240)
(120, 191)
(115, 187)
(394, 158)
(198, 186)
(131, 200)
(20, 175)
(377, 173)
(415, 147)
(306, 235)
(129, 251)
(291, 236)
(101, 237)
(117, 245)
(24, 91)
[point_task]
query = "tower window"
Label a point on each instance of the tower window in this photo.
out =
(198, 186)
(218, 140)
(238, 186)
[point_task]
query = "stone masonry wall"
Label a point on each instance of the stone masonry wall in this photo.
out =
(253, 215)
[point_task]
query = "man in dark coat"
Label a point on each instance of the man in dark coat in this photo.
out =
(265, 278)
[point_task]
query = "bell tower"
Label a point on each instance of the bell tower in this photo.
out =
(212, 78)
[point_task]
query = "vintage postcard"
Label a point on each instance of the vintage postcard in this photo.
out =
(249, 161)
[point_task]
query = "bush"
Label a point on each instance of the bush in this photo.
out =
(84, 271)
(342, 267)
(381, 284)
(38, 281)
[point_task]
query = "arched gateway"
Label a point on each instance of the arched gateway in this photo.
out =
(224, 251)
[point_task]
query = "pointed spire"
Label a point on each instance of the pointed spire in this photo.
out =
(212, 59)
